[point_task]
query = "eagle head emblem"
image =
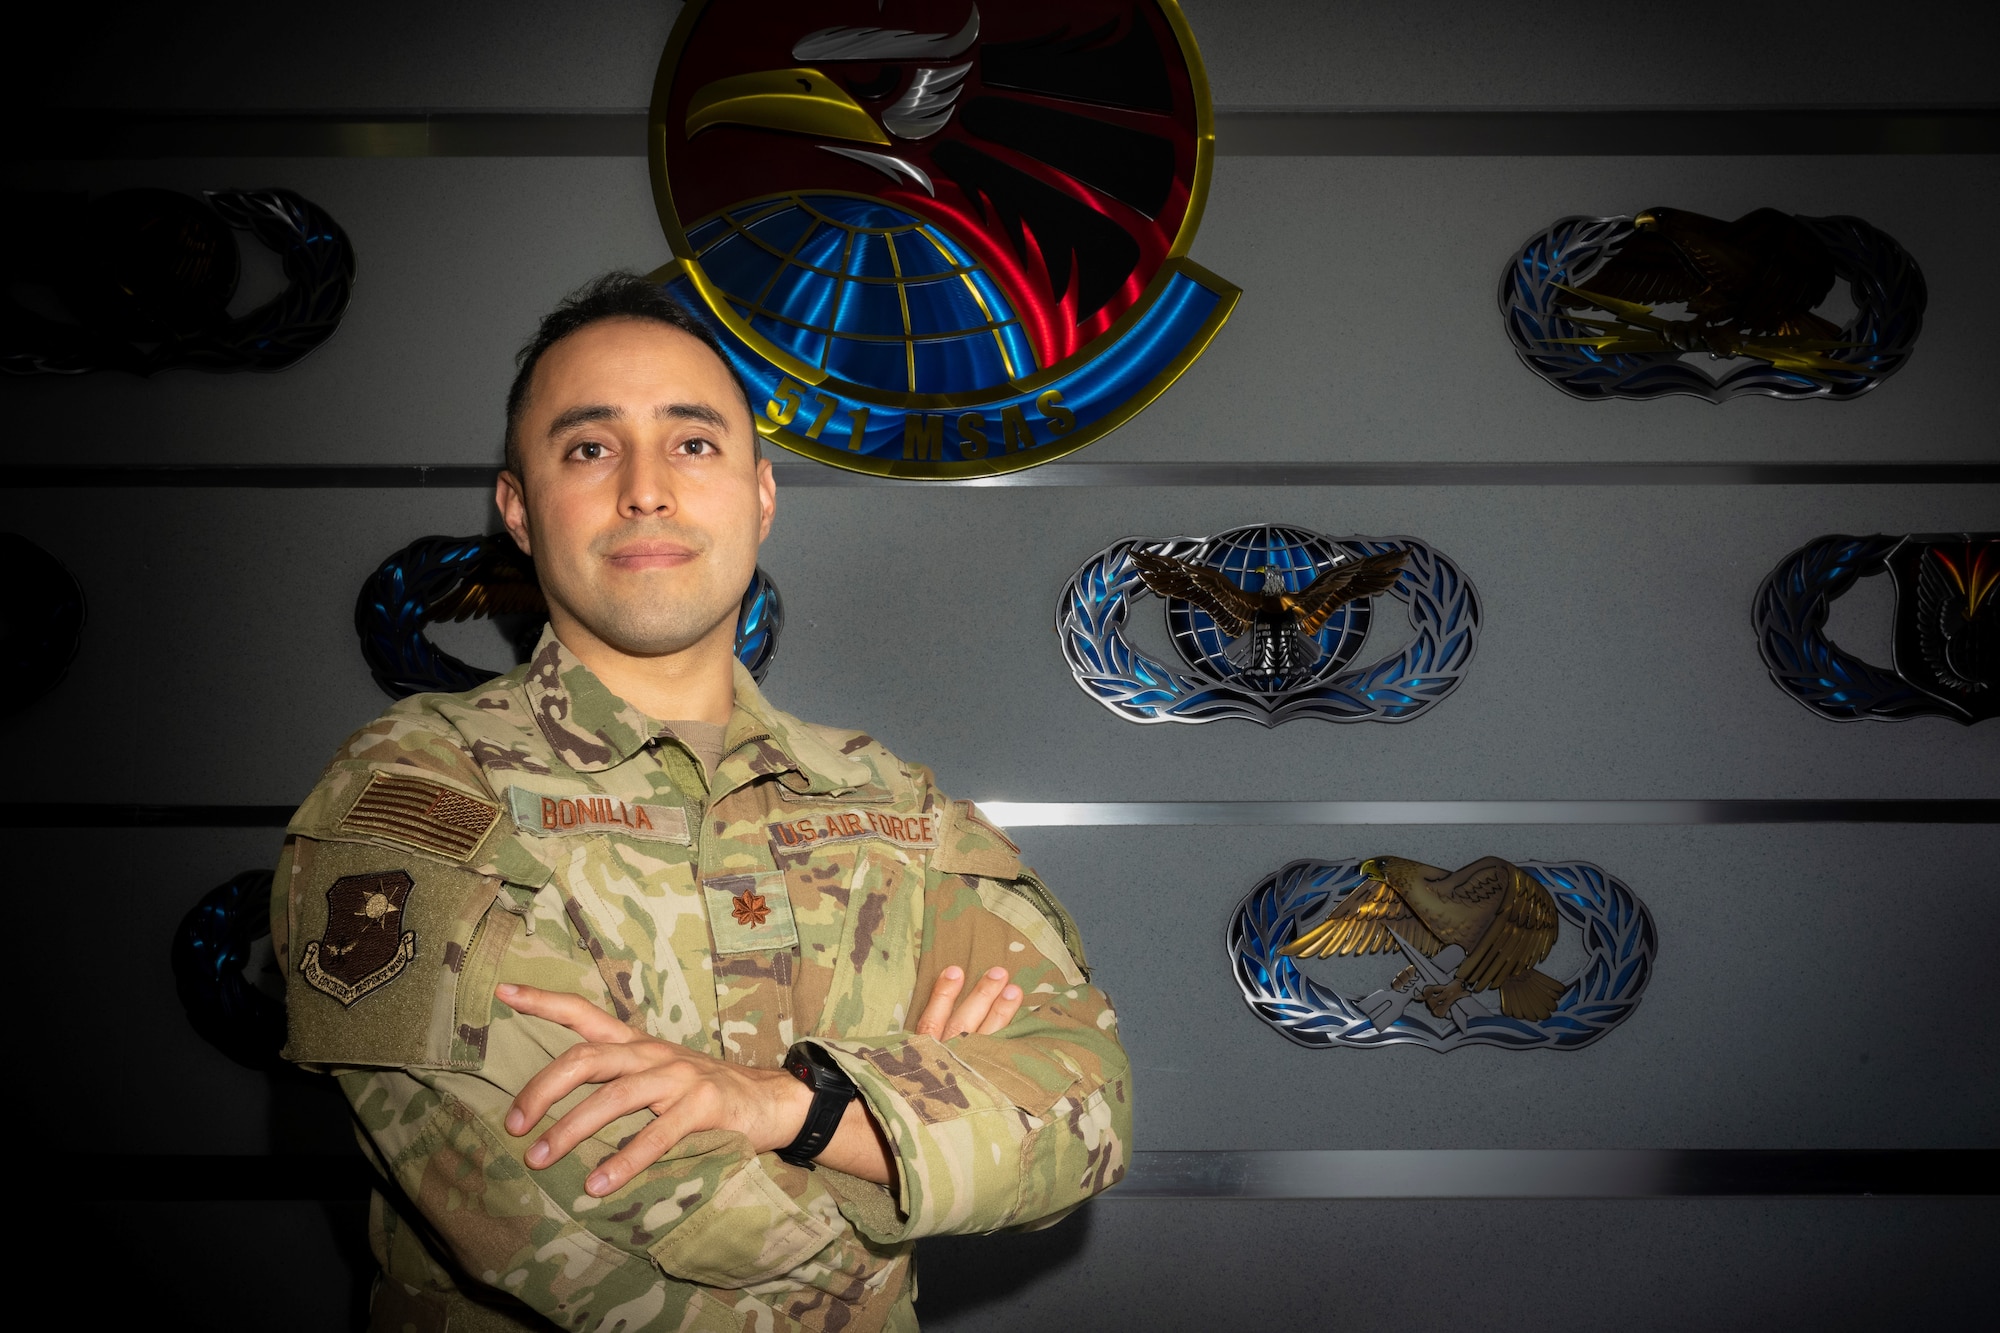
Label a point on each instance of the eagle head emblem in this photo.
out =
(907, 199)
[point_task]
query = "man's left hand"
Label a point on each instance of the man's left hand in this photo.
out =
(686, 1091)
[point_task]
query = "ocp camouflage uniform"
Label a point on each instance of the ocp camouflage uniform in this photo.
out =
(540, 830)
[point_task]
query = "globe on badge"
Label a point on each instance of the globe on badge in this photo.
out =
(936, 238)
(1255, 558)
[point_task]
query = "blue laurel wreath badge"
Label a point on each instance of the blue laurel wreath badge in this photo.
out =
(947, 253)
(1448, 995)
(148, 275)
(1670, 302)
(1945, 644)
(1266, 620)
(466, 578)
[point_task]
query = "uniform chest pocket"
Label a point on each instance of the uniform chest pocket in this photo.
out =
(857, 905)
(393, 957)
(750, 913)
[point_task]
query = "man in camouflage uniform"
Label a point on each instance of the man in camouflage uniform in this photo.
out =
(561, 937)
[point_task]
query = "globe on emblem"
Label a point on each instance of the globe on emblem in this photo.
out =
(875, 295)
(1250, 557)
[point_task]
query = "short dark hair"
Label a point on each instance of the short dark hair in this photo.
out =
(619, 294)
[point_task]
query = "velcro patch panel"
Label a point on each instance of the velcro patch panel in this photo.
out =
(420, 813)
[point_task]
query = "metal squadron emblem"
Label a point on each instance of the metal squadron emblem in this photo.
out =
(1474, 944)
(364, 947)
(1670, 301)
(1945, 644)
(938, 238)
(1267, 620)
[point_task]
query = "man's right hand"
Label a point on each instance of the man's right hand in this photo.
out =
(990, 1006)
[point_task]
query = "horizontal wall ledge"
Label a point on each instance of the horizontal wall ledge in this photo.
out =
(1556, 1173)
(1097, 814)
(1239, 132)
(1253, 814)
(397, 476)
(1508, 1173)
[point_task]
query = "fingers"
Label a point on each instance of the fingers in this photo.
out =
(599, 1109)
(977, 1008)
(931, 1022)
(1003, 1011)
(572, 1011)
(581, 1064)
(648, 1146)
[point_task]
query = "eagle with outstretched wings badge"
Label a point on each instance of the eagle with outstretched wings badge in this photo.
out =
(1269, 621)
(1272, 629)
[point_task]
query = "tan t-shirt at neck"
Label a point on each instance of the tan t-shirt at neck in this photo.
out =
(705, 739)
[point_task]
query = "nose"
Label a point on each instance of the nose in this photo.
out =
(646, 486)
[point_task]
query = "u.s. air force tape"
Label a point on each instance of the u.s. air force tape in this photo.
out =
(550, 816)
(843, 825)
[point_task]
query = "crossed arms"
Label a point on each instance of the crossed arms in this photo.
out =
(688, 1092)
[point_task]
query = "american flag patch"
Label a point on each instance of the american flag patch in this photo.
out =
(417, 812)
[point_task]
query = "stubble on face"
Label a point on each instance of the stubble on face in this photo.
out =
(644, 502)
(653, 589)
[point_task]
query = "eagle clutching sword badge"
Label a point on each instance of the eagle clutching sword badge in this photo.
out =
(1476, 944)
(939, 238)
(1267, 620)
(364, 947)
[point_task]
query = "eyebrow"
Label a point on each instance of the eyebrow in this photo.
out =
(701, 412)
(589, 412)
(578, 416)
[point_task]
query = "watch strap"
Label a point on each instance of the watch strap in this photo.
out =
(832, 1091)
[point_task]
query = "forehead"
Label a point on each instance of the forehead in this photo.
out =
(628, 361)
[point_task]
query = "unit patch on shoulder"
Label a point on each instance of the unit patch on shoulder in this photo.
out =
(555, 815)
(845, 825)
(363, 947)
(417, 812)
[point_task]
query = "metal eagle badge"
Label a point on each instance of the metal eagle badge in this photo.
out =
(1944, 646)
(1672, 302)
(939, 239)
(1475, 943)
(1267, 621)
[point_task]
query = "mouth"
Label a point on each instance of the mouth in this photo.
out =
(642, 555)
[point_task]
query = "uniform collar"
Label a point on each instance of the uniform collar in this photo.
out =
(591, 729)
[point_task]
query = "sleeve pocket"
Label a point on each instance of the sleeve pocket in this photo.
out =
(750, 1231)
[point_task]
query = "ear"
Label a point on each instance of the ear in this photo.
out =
(767, 499)
(511, 499)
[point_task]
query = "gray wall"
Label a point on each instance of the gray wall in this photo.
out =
(1817, 986)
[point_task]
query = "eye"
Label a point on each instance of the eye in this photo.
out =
(698, 445)
(885, 81)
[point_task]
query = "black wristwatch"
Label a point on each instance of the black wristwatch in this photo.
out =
(832, 1091)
